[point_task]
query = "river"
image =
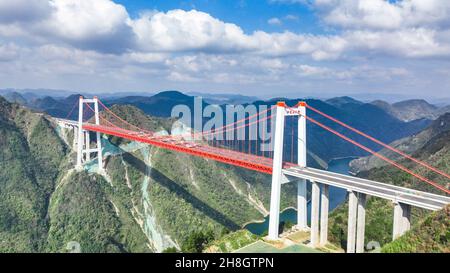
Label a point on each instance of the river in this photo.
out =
(337, 196)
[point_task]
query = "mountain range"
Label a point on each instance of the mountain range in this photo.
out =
(149, 199)
(432, 146)
(409, 145)
(367, 117)
(409, 110)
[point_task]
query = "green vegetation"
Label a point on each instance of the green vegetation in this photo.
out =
(232, 242)
(379, 213)
(170, 250)
(430, 235)
(81, 212)
(44, 205)
(286, 225)
(30, 154)
(196, 241)
(202, 196)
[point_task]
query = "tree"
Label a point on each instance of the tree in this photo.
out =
(170, 250)
(196, 241)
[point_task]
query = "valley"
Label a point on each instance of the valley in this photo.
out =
(153, 200)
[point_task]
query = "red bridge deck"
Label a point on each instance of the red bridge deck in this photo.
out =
(248, 161)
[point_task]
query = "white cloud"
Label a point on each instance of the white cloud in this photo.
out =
(381, 14)
(291, 17)
(407, 43)
(8, 52)
(104, 26)
(99, 40)
(179, 30)
(82, 19)
(23, 10)
(100, 24)
(274, 21)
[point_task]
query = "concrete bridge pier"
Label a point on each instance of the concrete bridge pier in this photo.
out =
(302, 205)
(361, 223)
(351, 229)
(402, 219)
(324, 207)
(315, 199)
(356, 222)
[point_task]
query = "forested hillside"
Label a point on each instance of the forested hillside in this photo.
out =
(431, 234)
(148, 199)
(379, 213)
(408, 145)
(30, 156)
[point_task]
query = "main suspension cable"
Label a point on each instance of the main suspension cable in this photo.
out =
(380, 142)
(399, 166)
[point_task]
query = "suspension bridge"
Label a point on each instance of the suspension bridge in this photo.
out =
(278, 160)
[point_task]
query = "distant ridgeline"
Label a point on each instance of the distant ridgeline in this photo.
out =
(376, 119)
(147, 193)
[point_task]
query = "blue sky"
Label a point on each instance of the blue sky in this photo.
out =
(250, 15)
(267, 48)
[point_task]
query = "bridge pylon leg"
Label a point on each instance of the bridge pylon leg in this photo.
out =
(302, 201)
(98, 136)
(276, 173)
(80, 141)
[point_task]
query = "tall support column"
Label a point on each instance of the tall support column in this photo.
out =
(315, 199)
(87, 146)
(402, 214)
(80, 134)
(302, 205)
(406, 218)
(324, 207)
(276, 173)
(75, 138)
(351, 232)
(302, 201)
(99, 140)
(361, 224)
(398, 218)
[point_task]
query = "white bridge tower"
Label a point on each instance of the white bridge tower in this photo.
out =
(277, 175)
(84, 150)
